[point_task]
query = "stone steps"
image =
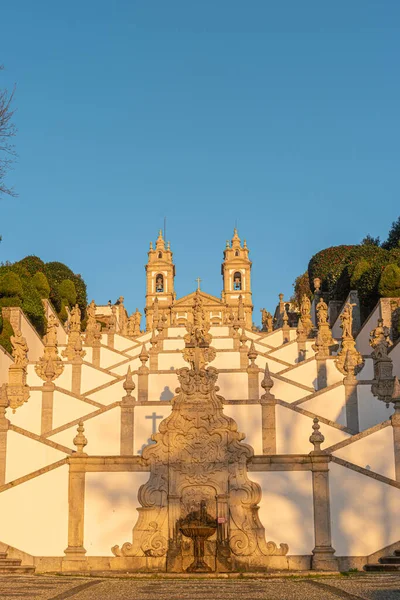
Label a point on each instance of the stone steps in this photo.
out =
(385, 563)
(13, 566)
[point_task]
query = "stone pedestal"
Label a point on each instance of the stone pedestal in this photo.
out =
(322, 376)
(47, 407)
(96, 354)
(268, 424)
(127, 426)
(285, 333)
(143, 384)
(76, 375)
(253, 383)
(110, 339)
(323, 558)
(74, 559)
(244, 361)
(351, 399)
(302, 350)
(153, 359)
(17, 390)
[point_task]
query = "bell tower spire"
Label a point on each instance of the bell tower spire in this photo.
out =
(160, 273)
(236, 275)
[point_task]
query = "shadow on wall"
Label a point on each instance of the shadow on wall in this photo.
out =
(166, 394)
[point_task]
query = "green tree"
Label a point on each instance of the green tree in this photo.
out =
(393, 240)
(389, 283)
(371, 241)
(7, 132)
(40, 282)
(67, 292)
(10, 285)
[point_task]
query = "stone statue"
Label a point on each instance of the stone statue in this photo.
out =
(73, 348)
(305, 315)
(20, 349)
(112, 321)
(379, 339)
(50, 366)
(75, 319)
(51, 334)
(322, 312)
(346, 318)
(91, 326)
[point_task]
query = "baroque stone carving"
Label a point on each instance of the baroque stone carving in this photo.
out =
(199, 460)
(266, 321)
(19, 349)
(198, 351)
(91, 326)
(349, 361)
(324, 343)
(305, 315)
(50, 365)
(383, 382)
(17, 389)
(74, 344)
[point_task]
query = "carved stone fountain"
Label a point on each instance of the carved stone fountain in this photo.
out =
(198, 460)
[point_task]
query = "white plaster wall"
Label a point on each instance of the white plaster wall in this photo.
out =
(108, 357)
(28, 416)
(371, 411)
(367, 372)
(35, 344)
(5, 362)
(233, 386)
(144, 423)
(102, 433)
(362, 339)
(288, 352)
(170, 361)
(37, 514)
(134, 364)
(65, 379)
(112, 393)
(248, 419)
(374, 452)
(365, 512)
(93, 378)
(110, 500)
(333, 375)
(32, 379)
(162, 386)
(273, 339)
(330, 404)
(294, 429)
(286, 391)
(219, 331)
(274, 367)
(66, 409)
(222, 343)
(25, 455)
(173, 344)
(227, 360)
(120, 343)
(305, 373)
(286, 509)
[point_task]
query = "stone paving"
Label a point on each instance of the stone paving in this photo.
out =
(368, 587)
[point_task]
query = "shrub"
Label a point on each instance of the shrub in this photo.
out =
(63, 315)
(10, 285)
(360, 267)
(389, 283)
(33, 307)
(11, 301)
(31, 264)
(393, 240)
(40, 282)
(301, 287)
(67, 292)
(327, 265)
(56, 272)
(5, 334)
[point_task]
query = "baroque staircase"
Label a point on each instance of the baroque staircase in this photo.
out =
(13, 566)
(386, 563)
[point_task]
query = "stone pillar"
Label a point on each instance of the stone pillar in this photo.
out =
(323, 558)
(4, 425)
(268, 418)
(76, 375)
(75, 552)
(322, 375)
(143, 376)
(285, 328)
(128, 417)
(350, 390)
(252, 374)
(110, 339)
(301, 341)
(47, 407)
(154, 352)
(395, 419)
(96, 346)
(244, 360)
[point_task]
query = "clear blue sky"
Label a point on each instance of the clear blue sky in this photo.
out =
(283, 116)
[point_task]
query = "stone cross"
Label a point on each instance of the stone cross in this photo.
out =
(198, 282)
(154, 418)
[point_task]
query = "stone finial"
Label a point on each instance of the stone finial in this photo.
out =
(281, 296)
(144, 356)
(316, 438)
(243, 338)
(129, 384)
(317, 285)
(267, 384)
(80, 440)
(252, 355)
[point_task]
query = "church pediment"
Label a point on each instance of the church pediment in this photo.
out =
(207, 299)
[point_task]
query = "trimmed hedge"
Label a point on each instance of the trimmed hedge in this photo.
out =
(327, 265)
(10, 285)
(6, 331)
(33, 307)
(40, 282)
(31, 264)
(56, 272)
(67, 292)
(389, 283)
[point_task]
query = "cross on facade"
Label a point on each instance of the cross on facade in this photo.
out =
(198, 282)
(154, 418)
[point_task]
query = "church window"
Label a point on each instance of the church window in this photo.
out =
(237, 253)
(159, 283)
(237, 281)
(160, 255)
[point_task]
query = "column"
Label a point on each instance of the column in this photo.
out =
(323, 558)
(143, 384)
(268, 424)
(322, 375)
(110, 339)
(351, 399)
(47, 407)
(395, 419)
(75, 552)
(96, 353)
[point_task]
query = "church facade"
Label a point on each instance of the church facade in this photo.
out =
(200, 444)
